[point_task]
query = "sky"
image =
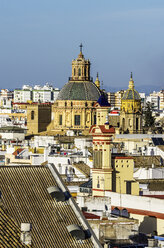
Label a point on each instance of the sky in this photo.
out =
(39, 39)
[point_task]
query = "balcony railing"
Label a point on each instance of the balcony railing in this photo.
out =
(80, 78)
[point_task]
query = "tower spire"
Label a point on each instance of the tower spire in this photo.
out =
(97, 82)
(81, 47)
(131, 82)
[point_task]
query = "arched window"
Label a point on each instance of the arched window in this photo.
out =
(74, 71)
(32, 115)
(85, 71)
(79, 72)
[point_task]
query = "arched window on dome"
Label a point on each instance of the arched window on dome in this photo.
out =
(79, 72)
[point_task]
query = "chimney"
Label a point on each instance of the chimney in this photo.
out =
(26, 233)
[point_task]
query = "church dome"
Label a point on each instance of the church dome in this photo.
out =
(131, 101)
(131, 93)
(79, 91)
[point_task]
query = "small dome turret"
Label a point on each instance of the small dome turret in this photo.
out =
(131, 101)
(131, 93)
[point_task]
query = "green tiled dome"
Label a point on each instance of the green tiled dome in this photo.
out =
(79, 91)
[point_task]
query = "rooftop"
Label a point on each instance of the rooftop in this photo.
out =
(147, 161)
(25, 197)
(84, 168)
(10, 231)
(12, 129)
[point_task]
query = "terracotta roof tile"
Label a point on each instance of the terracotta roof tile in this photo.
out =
(18, 151)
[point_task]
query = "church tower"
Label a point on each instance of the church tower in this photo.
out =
(80, 68)
(131, 112)
(102, 165)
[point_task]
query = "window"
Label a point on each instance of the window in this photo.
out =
(77, 120)
(52, 96)
(32, 115)
(79, 72)
(137, 124)
(97, 159)
(94, 119)
(74, 71)
(98, 182)
(128, 187)
(60, 119)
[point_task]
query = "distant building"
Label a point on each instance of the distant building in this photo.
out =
(143, 98)
(39, 93)
(6, 98)
(157, 99)
(162, 100)
(114, 98)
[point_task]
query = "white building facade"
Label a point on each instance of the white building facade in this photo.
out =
(39, 93)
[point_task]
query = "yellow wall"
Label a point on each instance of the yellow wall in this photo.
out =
(68, 110)
(131, 106)
(103, 157)
(101, 114)
(42, 117)
(148, 224)
(101, 181)
(124, 172)
(37, 150)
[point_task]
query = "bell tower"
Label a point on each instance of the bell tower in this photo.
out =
(80, 68)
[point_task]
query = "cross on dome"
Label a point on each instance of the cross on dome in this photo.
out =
(81, 47)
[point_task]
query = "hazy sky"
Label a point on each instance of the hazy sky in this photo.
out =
(39, 39)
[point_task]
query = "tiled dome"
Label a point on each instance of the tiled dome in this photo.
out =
(79, 91)
(131, 94)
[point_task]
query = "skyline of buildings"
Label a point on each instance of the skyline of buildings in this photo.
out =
(82, 127)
